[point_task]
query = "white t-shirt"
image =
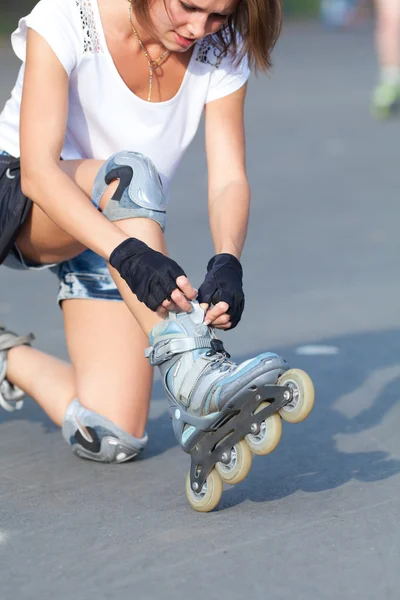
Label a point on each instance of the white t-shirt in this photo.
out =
(104, 115)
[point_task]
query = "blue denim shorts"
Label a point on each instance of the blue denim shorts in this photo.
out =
(85, 276)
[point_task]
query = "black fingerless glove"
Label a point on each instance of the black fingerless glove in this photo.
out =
(224, 283)
(150, 275)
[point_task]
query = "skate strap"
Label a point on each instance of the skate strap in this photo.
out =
(9, 340)
(166, 349)
(191, 378)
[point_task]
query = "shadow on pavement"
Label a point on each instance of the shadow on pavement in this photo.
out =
(355, 391)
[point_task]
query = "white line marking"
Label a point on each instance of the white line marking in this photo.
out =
(3, 538)
(317, 350)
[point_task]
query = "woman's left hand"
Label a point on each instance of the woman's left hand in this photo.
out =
(222, 288)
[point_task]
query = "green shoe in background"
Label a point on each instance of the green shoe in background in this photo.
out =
(386, 100)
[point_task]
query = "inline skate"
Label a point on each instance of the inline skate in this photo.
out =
(223, 413)
(11, 396)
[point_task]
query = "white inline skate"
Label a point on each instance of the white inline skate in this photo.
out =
(223, 413)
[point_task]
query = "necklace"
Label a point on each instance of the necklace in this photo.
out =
(152, 64)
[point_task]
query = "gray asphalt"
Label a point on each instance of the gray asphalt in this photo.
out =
(319, 518)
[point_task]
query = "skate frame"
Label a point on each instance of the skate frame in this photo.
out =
(233, 423)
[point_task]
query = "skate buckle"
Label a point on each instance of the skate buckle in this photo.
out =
(217, 347)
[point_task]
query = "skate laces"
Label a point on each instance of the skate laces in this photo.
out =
(220, 357)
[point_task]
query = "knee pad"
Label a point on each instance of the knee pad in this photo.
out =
(139, 193)
(96, 438)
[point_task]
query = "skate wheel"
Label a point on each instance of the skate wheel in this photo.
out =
(210, 495)
(239, 466)
(267, 439)
(303, 395)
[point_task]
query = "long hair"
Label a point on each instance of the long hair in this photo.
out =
(253, 29)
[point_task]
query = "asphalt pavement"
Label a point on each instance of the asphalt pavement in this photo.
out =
(319, 518)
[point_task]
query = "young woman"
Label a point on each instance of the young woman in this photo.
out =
(108, 98)
(386, 97)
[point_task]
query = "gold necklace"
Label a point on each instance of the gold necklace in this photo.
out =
(152, 64)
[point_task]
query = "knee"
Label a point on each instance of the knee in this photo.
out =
(94, 437)
(139, 192)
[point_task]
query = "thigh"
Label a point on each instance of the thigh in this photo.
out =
(106, 347)
(40, 239)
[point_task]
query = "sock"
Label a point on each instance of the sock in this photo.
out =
(391, 75)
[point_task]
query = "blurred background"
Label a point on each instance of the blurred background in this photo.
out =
(319, 518)
(334, 12)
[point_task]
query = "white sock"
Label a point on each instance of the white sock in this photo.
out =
(391, 75)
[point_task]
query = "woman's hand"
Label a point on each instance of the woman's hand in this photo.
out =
(223, 287)
(157, 280)
(217, 316)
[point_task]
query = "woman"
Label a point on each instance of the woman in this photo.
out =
(117, 90)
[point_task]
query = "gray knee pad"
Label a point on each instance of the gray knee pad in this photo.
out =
(96, 438)
(139, 193)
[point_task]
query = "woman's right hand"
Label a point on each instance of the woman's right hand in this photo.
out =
(156, 280)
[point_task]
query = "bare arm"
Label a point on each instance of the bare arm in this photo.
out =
(228, 188)
(44, 113)
(229, 202)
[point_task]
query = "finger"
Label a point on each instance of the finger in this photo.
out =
(215, 312)
(222, 320)
(204, 306)
(225, 326)
(169, 305)
(181, 301)
(186, 287)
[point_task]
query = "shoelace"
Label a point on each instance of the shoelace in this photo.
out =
(220, 356)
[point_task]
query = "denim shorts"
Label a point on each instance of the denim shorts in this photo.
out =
(85, 276)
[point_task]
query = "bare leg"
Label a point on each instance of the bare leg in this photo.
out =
(386, 96)
(42, 241)
(52, 383)
(106, 346)
(48, 380)
(84, 174)
(109, 376)
(387, 33)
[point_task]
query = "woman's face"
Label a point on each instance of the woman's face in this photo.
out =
(181, 23)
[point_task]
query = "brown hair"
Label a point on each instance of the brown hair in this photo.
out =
(253, 29)
(259, 24)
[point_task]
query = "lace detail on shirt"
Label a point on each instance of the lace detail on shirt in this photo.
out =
(209, 54)
(91, 38)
